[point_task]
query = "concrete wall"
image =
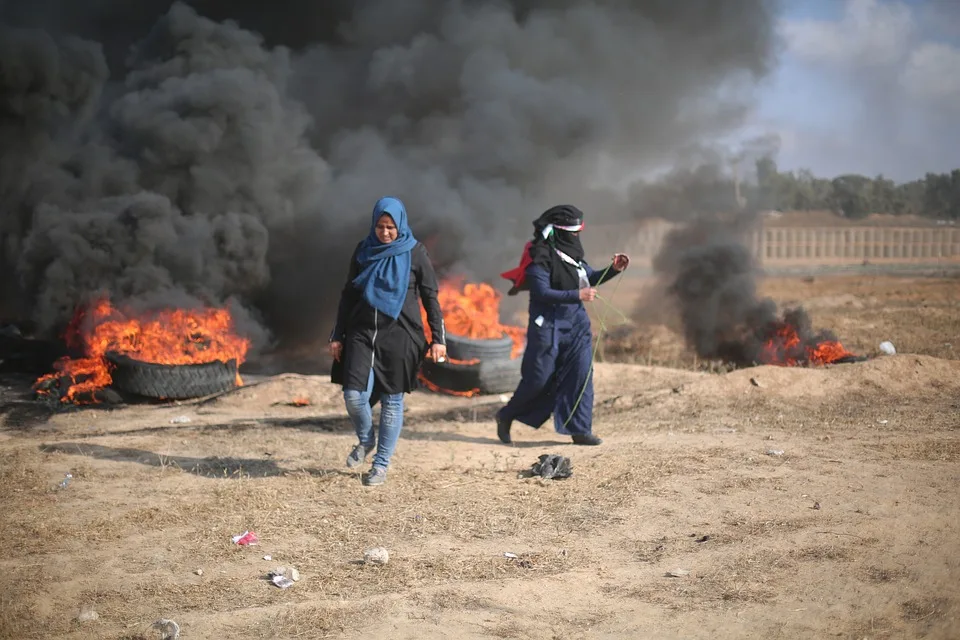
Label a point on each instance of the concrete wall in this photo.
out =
(775, 245)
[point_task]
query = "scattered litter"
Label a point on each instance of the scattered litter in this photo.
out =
(300, 402)
(282, 581)
(87, 614)
(199, 572)
(376, 555)
(552, 466)
(507, 554)
(180, 420)
(677, 573)
(284, 577)
(887, 348)
(169, 629)
(247, 538)
(775, 452)
(66, 481)
(702, 539)
(816, 505)
(882, 421)
(268, 557)
(755, 382)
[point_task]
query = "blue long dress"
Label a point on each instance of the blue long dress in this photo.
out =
(557, 362)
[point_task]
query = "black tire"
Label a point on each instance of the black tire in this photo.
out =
(499, 376)
(171, 381)
(492, 376)
(465, 349)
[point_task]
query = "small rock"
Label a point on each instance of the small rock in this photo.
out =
(677, 573)
(169, 629)
(816, 505)
(755, 382)
(87, 615)
(180, 420)
(887, 348)
(775, 452)
(267, 557)
(199, 572)
(376, 555)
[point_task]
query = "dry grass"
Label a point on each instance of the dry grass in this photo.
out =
(682, 482)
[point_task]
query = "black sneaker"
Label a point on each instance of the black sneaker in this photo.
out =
(503, 429)
(587, 439)
(358, 455)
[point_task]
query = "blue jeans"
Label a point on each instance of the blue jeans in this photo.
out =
(391, 420)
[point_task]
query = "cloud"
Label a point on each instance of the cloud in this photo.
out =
(889, 72)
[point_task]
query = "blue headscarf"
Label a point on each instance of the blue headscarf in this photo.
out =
(385, 268)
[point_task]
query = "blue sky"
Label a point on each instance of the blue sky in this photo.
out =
(866, 86)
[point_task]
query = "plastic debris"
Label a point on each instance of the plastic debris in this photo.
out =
(247, 538)
(87, 614)
(507, 554)
(677, 573)
(284, 577)
(282, 581)
(887, 348)
(180, 420)
(376, 555)
(66, 481)
(268, 557)
(775, 452)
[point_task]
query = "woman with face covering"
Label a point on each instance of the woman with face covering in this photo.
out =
(557, 364)
(378, 343)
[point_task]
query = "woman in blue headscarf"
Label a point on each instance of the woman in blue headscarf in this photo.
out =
(378, 343)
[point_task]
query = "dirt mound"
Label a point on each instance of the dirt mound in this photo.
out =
(900, 375)
(289, 389)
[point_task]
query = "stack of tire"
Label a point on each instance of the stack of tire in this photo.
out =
(476, 364)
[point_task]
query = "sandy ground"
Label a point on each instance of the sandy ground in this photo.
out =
(853, 532)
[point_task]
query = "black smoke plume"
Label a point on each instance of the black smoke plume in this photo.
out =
(707, 270)
(217, 152)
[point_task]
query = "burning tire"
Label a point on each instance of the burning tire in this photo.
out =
(171, 381)
(460, 348)
(491, 376)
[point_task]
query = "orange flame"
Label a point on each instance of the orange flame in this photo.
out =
(470, 310)
(170, 336)
(473, 311)
(785, 349)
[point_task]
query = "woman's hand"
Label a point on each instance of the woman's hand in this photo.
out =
(620, 261)
(438, 352)
(336, 349)
(588, 294)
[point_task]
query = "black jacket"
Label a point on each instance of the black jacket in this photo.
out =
(395, 348)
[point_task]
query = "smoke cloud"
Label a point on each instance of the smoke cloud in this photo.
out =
(179, 157)
(708, 273)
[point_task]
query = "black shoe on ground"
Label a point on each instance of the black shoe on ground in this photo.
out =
(503, 430)
(587, 439)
